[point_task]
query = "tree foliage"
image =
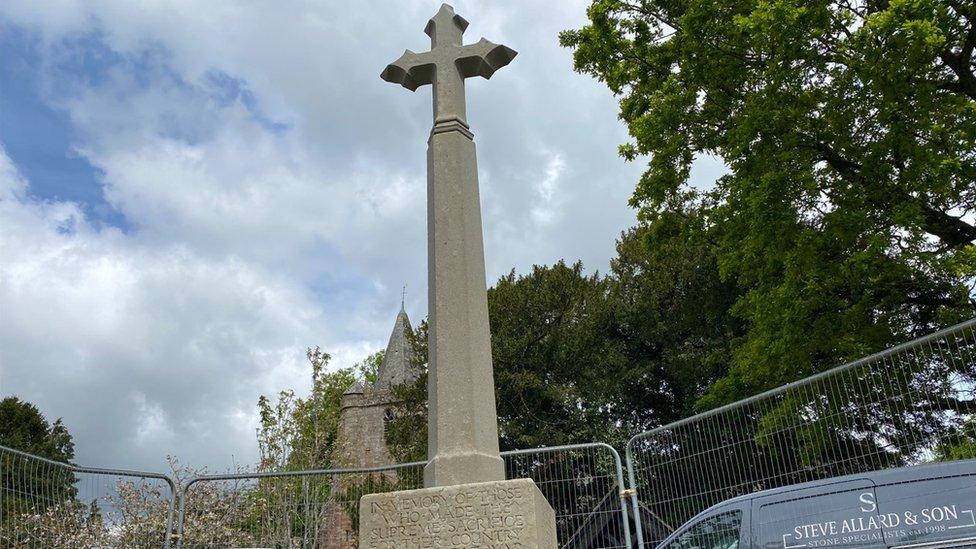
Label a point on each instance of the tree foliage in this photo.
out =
(583, 357)
(301, 433)
(24, 428)
(960, 446)
(672, 315)
(849, 133)
(33, 487)
(553, 359)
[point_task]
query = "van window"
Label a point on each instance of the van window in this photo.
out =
(715, 532)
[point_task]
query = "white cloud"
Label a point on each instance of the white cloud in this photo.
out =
(276, 192)
(142, 347)
(547, 204)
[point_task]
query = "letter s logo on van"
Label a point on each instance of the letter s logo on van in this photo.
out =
(867, 499)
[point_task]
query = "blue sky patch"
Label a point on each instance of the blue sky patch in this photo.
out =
(226, 89)
(38, 138)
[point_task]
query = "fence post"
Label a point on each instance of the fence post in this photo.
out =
(622, 488)
(182, 512)
(635, 502)
(169, 515)
(618, 473)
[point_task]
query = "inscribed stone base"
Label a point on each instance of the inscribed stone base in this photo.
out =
(501, 514)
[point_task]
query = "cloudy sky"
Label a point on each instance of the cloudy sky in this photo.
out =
(192, 193)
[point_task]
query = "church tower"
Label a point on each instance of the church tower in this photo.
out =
(365, 410)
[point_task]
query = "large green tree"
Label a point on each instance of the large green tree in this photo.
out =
(556, 364)
(588, 357)
(849, 134)
(555, 358)
(23, 427)
(31, 486)
(672, 316)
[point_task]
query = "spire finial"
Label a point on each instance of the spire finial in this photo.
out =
(403, 298)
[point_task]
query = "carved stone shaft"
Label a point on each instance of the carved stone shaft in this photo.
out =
(463, 426)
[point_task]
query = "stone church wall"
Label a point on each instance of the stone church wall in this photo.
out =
(362, 430)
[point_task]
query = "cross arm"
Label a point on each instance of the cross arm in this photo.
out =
(411, 70)
(483, 58)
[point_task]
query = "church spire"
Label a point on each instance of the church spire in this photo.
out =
(396, 368)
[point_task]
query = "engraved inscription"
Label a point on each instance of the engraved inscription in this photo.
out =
(480, 515)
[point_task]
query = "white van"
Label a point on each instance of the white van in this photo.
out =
(923, 507)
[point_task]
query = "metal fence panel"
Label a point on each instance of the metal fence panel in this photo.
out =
(44, 503)
(901, 407)
(584, 485)
(284, 509)
(320, 508)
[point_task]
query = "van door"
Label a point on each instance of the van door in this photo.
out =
(931, 511)
(832, 514)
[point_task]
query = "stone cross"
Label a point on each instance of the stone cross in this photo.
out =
(467, 501)
(463, 426)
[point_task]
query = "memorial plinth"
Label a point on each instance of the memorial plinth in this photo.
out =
(507, 513)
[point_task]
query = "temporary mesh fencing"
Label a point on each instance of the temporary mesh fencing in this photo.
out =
(321, 508)
(44, 503)
(284, 509)
(584, 484)
(911, 404)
